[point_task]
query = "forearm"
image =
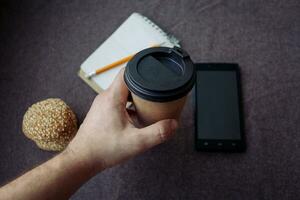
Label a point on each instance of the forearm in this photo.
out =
(58, 178)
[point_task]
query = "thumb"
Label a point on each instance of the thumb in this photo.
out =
(156, 133)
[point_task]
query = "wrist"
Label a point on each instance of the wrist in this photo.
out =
(78, 161)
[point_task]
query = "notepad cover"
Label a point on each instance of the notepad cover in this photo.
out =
(134, 35)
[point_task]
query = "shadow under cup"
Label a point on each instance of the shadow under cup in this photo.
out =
(159, 80)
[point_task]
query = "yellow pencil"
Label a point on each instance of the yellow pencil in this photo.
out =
(112, 65)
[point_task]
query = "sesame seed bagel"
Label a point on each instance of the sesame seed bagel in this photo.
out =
(50, 123)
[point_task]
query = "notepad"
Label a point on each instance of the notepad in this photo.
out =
(134, 35)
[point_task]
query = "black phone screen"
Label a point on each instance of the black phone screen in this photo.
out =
(218, 119)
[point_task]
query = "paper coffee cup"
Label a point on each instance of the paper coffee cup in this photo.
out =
(159, 79)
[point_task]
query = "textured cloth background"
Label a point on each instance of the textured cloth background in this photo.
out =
(43, 43)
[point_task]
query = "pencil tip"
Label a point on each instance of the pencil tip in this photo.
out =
(90, 75)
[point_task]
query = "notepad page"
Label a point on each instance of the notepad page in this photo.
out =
(134, 35)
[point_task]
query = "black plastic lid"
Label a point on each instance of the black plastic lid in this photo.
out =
(160, 74)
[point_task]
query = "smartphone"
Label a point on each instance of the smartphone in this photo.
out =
(219, 115)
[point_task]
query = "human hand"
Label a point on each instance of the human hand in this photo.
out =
(109, 134)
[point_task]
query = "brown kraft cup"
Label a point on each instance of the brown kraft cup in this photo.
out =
(159, 80)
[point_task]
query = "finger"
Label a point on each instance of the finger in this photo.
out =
(156, 133)
(118, 87)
